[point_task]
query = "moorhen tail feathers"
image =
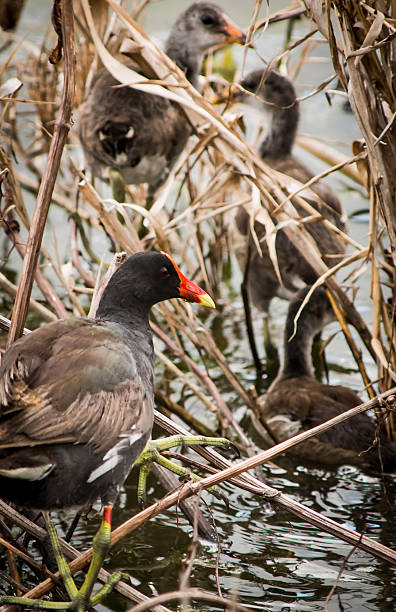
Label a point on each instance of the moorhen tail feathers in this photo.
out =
(76, 409)
(77, 394)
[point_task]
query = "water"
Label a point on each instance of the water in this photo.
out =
(269, 558)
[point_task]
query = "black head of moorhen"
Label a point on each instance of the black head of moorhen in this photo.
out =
(296, 401)
(76, 396)
(141, 135)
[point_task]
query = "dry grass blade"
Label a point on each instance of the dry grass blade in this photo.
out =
(217, 173)
(232, 148)
(331, 156)
(186, 595)
(70, 552)
(323, 522)
(41, 310)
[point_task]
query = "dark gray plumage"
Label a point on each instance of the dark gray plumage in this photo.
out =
(76, 396)
(276, 97)
(296, 401)
(141, 135)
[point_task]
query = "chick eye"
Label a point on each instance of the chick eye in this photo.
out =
(250, 85)
(164, 272)
(207, 20)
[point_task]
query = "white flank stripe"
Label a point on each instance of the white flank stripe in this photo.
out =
(115, 455)
(103, 468)
(28, 473)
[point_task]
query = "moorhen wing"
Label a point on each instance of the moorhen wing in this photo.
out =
(76, 406)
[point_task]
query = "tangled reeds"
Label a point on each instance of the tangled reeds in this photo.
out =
(217, 173)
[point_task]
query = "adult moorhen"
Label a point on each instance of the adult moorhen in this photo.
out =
(141, 135)
(275, 96)
(296, 401)
(76, 405)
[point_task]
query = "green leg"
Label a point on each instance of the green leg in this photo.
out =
(117, 185)
(64, 572)
(61, 562)
(101, 545)
(179, 440)
(37, 604)
(152, 453)
(107, 588)
(142, 482)
(80, 599)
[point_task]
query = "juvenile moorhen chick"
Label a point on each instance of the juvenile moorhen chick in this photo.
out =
(141, 135)
(76, 404)
(296, 401)
(275, 97)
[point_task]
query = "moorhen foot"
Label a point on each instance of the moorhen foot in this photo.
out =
(76, 407)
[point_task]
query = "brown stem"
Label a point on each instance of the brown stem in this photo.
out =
(188, 594)
(70, 552)
(58, 141)
(272, 495)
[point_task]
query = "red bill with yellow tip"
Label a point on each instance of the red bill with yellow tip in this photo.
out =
(189, 290)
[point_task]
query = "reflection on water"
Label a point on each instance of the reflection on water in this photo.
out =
(269, 559)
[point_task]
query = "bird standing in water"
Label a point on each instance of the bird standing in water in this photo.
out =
(76, 406)
(296, 401)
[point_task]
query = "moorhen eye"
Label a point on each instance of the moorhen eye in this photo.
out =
(250, 84)
(207, 20)
(164, 272)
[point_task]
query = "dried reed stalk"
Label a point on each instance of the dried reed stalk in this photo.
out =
(70, 552)
(363, 58)
(48, 181)
(272, 495)
(239, 177)
(232, 148)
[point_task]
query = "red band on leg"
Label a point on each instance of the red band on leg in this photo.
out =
(107, 511)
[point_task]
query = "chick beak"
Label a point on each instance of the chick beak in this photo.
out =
(229, 94)
(189, 290)
(233, 33)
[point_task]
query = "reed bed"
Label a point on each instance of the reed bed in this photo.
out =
(217, 173)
